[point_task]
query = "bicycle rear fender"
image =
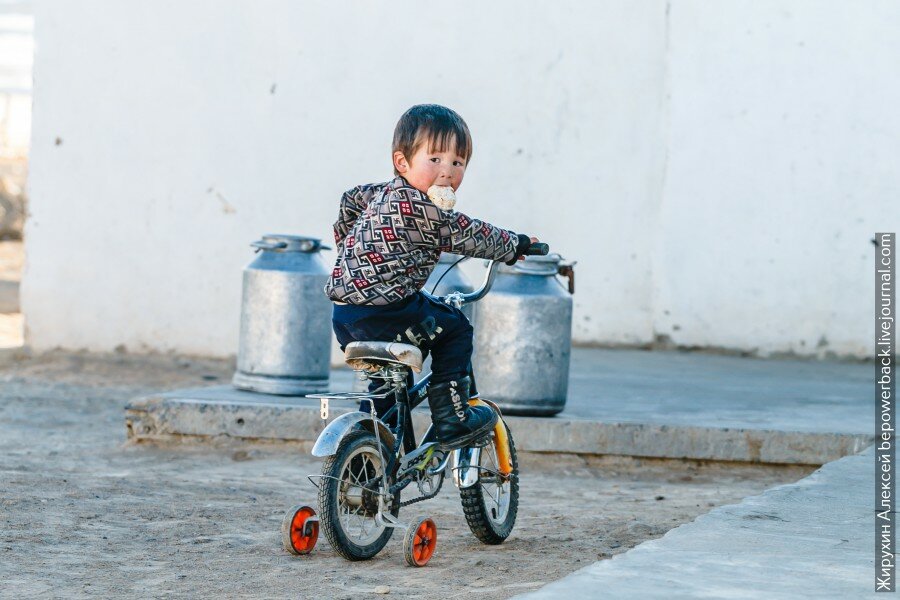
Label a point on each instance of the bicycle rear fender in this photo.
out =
(330, 438)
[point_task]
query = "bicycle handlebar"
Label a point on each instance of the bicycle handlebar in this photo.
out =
(535, 249)
(538, 249)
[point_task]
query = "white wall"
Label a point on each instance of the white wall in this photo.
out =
(705, 169)
(16, 51)
(783, 147)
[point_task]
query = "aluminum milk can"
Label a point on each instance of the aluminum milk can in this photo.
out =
(523, 339)
(285, 341)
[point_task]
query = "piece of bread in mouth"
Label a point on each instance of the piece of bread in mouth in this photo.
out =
(442, 196)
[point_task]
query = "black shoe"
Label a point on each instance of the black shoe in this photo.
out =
(457, 424)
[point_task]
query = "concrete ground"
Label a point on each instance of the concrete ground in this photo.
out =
(811, 539)
(712, 390)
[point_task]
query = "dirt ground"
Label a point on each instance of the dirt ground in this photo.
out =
(83, 514)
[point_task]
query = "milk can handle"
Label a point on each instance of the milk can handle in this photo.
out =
(568, 271)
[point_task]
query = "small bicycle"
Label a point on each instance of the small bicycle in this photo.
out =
(368, 463)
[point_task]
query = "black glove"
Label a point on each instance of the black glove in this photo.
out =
(524, 243)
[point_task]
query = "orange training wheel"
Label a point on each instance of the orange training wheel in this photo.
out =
(419, 543)
(299, 530)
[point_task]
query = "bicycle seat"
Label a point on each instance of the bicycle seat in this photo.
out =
(372, 356)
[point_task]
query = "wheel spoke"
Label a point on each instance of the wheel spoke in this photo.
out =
(492, 497)
(361, 521)
(359, 472)
(495, 493)
(351, 475)
(363, 471)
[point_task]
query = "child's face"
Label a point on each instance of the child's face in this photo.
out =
(431, 167)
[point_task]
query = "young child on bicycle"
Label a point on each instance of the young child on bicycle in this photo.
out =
(389, 237)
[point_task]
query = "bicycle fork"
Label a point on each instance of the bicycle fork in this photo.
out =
(466, 461)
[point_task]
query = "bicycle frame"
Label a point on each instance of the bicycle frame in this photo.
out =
(406, 399)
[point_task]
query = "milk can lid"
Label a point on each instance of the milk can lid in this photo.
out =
(534, 265)
(278, 242)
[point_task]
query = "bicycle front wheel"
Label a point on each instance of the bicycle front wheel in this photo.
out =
(348, 499)
(491, 505)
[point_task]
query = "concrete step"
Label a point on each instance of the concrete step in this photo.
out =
(222, 410)
(626, 402)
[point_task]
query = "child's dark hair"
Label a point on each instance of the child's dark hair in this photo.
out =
(437, 125)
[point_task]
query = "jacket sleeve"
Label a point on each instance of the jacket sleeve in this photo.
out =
(353, 202)
(449, 231)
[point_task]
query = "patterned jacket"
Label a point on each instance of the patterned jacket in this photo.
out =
(389, 237)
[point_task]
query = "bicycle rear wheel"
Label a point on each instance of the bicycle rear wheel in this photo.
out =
(348, 501)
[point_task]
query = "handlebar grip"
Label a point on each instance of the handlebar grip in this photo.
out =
(538, 249)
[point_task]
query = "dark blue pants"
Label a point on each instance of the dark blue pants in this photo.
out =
(421, 320)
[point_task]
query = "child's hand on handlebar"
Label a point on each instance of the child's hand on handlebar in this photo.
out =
(528, 246)
(534, 240)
